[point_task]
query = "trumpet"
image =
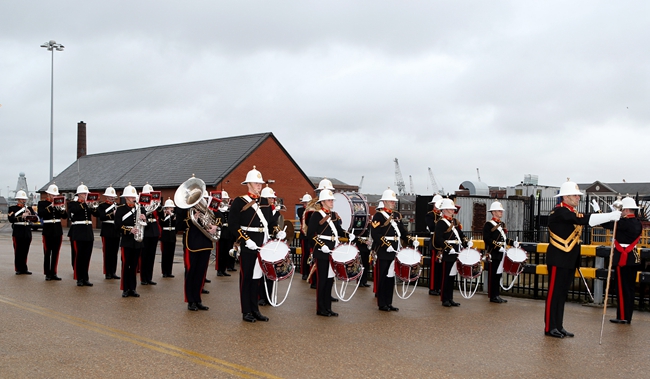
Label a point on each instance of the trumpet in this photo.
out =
(92, 200)
(58, 202)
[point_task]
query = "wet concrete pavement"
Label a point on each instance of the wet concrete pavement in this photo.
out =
(59, 330)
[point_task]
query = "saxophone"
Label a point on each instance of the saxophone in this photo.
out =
(138, 236)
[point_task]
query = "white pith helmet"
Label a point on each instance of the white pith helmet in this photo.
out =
(253, 176)
(21, 195)
(325, 184)
(129, 191)
(147, 188)
(169, 203)
(325, 195)
(569, 188)
(82, 189)
(52, 190)
(380, 205)
(436, 200)
(224, 195)
(110, 192)
(306, 198)
(388, 195)
(447, 204)
(267, 192)
(629, 203)
(496, 206)
(206, 195)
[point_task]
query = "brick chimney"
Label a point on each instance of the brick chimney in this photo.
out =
(81, 139)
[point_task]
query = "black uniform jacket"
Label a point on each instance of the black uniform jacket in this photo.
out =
(431, 219)
(193, 239)
(153, 225)
(319, 226)
(47, 211)
(106, 212)
(628, 231)
(494, 239)
(384, 234)
(444, 234)
(565, 229)
(242, 213)
(222, 222)
(81, 213)
(19, 231)
(167, 221)
(124, 221)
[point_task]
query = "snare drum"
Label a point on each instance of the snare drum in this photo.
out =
(407, 264)
(346, 262)
(514, 261)
(353, 210)
(275, 260)
(469, 263)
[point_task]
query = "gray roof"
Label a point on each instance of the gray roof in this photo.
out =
(335, 182)
(162, 166)
(643, 189)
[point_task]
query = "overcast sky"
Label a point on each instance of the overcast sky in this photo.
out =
(552, 88)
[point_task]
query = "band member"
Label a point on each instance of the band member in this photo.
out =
(18, 216)
(435, 273)
(167, 239)
(364, 252)
(224, 262)
(626, 258)
(449, 238)
(250, 221)
(130, 220)
(109, 233)
(51, 216)
(565, 225)
(304, 245)
(324, 230)
(151, 237)
(197, 248)
(496, 242)
(277, 221)
(388, 236)
(82, 234)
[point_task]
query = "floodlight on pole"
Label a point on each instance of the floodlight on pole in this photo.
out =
(51, 46)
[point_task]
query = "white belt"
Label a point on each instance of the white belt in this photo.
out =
(329, 238)
(452, 242)
(624, 244)
(86, 222)
(21, 223)
(252, 229)
(391, 238)
(169, 228)
(52, 221)
(151, 220)
(109, 222)
(226, 224)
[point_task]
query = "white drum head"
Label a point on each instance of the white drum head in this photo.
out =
(343, 207)
(344, 253)
(409, 256)
(469, 257)
(516, 254)
(274, 251)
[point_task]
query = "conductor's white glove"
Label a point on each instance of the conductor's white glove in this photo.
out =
(251, 245)
(595, 206)
(416, 243)
(501, 249)
(615, 215)
(351, 237)
(390, 249)
(516, 244)
(325, 249)
(281, 235)
(452, 251)
(470, 243)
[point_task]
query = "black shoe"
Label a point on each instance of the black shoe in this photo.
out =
(260, 317)
(205, 291)
(384, 308)
(393, 308)
(208, 280)
(248, 317)
(334, 300)
(554, 333)
(434, 292)
(152, 283)
(566, 334)
(54, 277)
(144, 283)
(617, 321)
(502, 299)
(202, 307)
(226, 274)
(333, 314)
(192, 307)
(326, 314)
(304, 277)
(219, 273)
(134, 294)
(87, 283)
(27, 272)
(115, 276)
(446, 303)
(80, 283)
(496, 300)
(232, 269)
(170, 276)
(108, 276)
(47, 278)
(312, 287)
(364, 285)
(125, 293)
(262, 302)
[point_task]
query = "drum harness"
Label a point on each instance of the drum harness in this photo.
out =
(464, 291)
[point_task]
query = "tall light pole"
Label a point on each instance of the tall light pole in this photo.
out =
(51, 46)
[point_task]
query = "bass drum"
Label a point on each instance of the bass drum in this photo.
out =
(352, 208)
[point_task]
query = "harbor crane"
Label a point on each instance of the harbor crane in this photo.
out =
(411, 182)
(399, 180)
(434, 185)
(361, 183)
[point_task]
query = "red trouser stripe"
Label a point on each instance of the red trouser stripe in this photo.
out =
(549, 298)
(621, 298)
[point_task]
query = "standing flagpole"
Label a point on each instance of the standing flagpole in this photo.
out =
(609, 275)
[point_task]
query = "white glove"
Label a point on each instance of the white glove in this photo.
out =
(516, 244)
(281, 235)
(452, 251)
(470, 243)
(390, 249)
(416, 243)
(351, 237)
(615, 215)
(325, 249)
(501, 249)
(595, 206)
(251, 245)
